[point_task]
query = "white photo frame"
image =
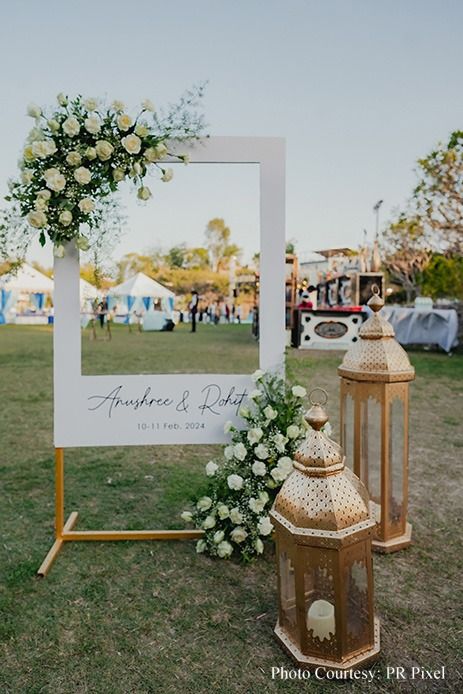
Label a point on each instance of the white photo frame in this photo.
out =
(133, 410)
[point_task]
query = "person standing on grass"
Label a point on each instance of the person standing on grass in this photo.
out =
(193, 306)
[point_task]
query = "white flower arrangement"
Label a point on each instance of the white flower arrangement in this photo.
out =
(244, 483)
(77, 154)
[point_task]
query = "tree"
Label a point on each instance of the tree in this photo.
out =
(443, 277)
(218, 244)
(406, 251)
(438, 197)
(197, 258)
(176, 256)
(131, 263)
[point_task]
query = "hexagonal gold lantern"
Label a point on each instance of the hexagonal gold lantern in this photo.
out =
(323, 530)
(375, 376)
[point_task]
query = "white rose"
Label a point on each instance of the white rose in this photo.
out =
(40, 204)
(90, 153)
(58, 251)
(37, 219)
(28, 154)
(238, 534)
(27, 177)
(53, 125)
(92, 125)
(147, 105)
(136, 170)
(292, 431)
(285, 464)
(224, 550)
(235, 516)
(254, 394)
(54, 180)
(255, 435)
(223, 511)
(44, 194)
(118, 106)
(62, 99)
(270, 413)
(200, 546)
(71, 126)
(144, 193)
(280, 442)
(161, 150)
(118, 174)
(218, 536)
(91, 104)
(82, 175)
(228, 452)
(265, 526)
(124, 122)
(187, 516)
(227, 427)
(261, 451)
(235, 482)
(86, 205)
(104, 150)
(208, 522)
(259, 546)
(40, 149)
(73, 158)
(259, 468)
(244, 412)
(82, 243)
(151, 155)
(299, 391)
(278, 474)
(34, 111)
(211, 468)
(263, 496)
(256, 505)
(239, 451)
(65, 218)
(141, 130)
(257, 375)
(204, 504)
(167, 175)
(131, 143)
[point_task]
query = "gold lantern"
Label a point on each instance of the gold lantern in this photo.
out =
(323, 529)
(375, 376)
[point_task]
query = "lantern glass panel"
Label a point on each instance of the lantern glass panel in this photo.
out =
(321, 638)
(370, 460)
(397, 455)
(359, 621)
(287, 593)
(348, 433)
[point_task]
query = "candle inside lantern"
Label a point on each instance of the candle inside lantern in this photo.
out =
(320, 618)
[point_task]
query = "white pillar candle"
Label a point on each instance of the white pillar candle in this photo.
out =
(320, 618)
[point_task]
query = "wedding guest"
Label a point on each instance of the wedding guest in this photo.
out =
(193, 306)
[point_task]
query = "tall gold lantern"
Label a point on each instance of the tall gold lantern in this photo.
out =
(323, 528)
(375, 376)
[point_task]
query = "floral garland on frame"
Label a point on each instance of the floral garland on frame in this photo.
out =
(242, 486)
(77, 154)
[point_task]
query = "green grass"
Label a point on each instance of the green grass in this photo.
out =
(155, 617)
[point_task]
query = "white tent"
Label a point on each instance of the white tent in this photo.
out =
(140, 285)
(27, 280)
(88, 291)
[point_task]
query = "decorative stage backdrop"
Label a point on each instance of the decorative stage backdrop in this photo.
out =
(131, 410)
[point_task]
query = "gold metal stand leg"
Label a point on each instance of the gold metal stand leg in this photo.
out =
(64, 531)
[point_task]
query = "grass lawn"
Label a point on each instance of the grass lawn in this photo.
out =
(155, 617)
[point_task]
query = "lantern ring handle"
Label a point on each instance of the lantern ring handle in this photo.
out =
(315, 401)
(375, 288)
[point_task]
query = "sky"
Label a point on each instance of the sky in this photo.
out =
(359, 88)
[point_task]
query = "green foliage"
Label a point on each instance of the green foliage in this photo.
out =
(443, 277)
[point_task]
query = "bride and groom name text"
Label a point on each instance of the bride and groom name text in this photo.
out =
(211, 400)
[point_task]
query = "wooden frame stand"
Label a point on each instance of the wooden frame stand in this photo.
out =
(64, 531)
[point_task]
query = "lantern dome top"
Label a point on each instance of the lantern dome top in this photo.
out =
(377, 356)
(321, 494)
